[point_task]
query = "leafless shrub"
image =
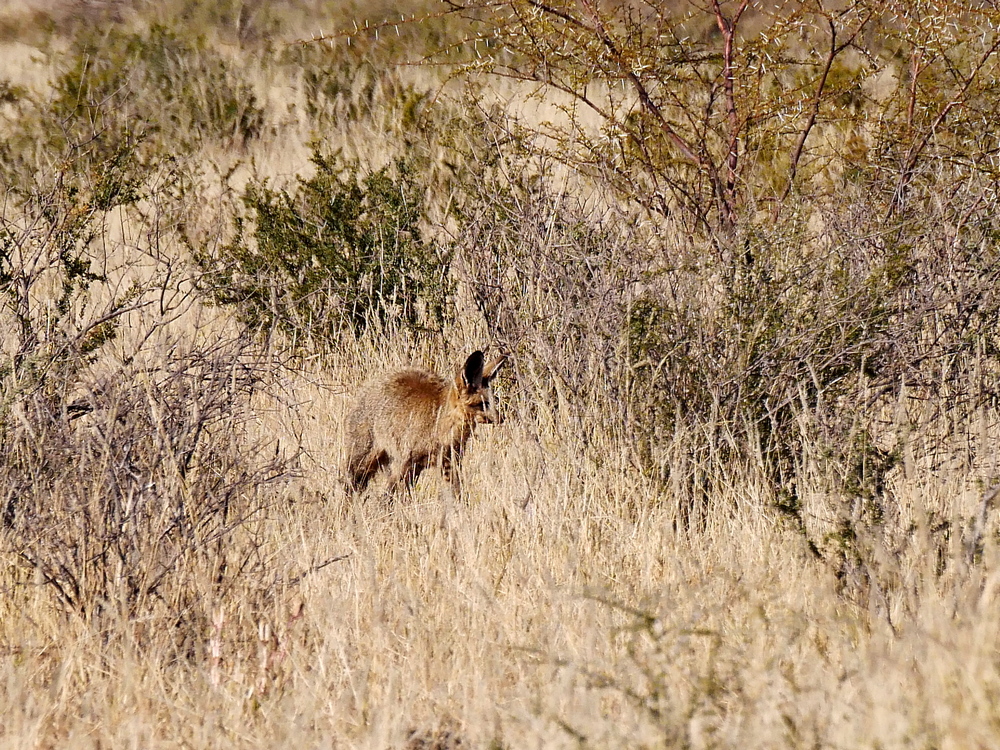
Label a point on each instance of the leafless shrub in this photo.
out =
(126, 477)
(120, 509)
(832, 218)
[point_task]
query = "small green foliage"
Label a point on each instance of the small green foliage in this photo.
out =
(866, 473)
(116, 184)
(644, 323)
(10, 93)
(342, 253)
(154, 83)
(48, 270)
(343, 86)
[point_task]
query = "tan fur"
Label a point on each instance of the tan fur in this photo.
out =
(412, 419)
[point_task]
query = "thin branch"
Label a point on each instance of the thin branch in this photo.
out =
(917, 148)
(835, 51)
(644, 96)
(728, 28)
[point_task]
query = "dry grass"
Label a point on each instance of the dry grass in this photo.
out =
(565, 601)
(519, 617)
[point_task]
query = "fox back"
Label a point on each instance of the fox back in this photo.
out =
(411, 419)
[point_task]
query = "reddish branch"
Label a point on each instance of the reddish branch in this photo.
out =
(728, 28)
(722, 196)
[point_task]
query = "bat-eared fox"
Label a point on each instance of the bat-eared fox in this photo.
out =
(411, 419)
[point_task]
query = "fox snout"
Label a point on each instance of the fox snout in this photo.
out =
(488, 413)
(411, 419)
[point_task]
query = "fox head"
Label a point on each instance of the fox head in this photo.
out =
(473, 389)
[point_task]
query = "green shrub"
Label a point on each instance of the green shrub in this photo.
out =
(340, 254)
(10, 93)
(152, 94)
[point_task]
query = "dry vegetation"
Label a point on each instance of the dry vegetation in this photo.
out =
(744, 264)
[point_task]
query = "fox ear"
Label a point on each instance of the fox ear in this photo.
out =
(472, 374)
(491, 369)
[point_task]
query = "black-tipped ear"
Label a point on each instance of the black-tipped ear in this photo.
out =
(491, 369)
(473, 373)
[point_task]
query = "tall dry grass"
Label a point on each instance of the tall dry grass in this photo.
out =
(181, 569)
(557, 603)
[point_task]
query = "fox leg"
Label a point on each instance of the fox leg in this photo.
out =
(405, 473)
(361, 469)
(449, 470)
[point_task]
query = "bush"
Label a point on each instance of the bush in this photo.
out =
(122, 89)
(125, 482)
(49, 270)
(551, 280)
(822, 211)
(343, 253)
(128, 501)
